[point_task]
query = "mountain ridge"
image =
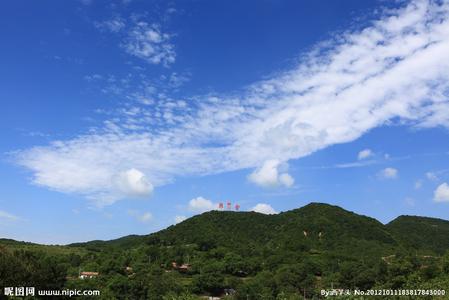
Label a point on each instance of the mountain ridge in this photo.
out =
(308, 213)
(310, 209)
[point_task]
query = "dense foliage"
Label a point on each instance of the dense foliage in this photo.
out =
(425, 234)
(246, 255)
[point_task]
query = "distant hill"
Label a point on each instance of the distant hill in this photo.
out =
(53, 249)
(340, 230)
(129, 241)
(219, 229)
(425, 234)
(316, 227)
(13, 242)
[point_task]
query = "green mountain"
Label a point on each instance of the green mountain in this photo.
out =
(250, 255)
(126, 242)
(314, 227)
(428, 235)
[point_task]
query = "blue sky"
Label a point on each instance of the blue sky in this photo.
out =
(125, 117)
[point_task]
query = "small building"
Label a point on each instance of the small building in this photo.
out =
(181, 268)
(184, 267)
(84, 275)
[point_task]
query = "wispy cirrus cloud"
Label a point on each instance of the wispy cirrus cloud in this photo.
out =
(8, 216)
(143, 217)
(393, 71)
(431, 176)
(113, 25)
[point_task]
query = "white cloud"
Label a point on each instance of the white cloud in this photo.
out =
(269, 175)
(134, 183)
(418, 184)
(366, 153)
(357, 164)
(148, 42)
(113, 25)
(200, 205)
(179, 219)
(394, 70)
(409, 201)
(141, 217)
(286, 180)
(441, 194)
(7, 216)
(264, 208)
(431, 176)
(146, 217)
(176, 80)
(388, 173)
(93, 77)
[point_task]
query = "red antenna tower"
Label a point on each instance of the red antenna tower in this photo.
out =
(237, 207)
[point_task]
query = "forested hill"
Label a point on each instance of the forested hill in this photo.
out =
(245, 254)
(316, 227)
(421, 233)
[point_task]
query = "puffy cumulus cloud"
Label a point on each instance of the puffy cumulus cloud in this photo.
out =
(179, 219)
(269, 175)
(133, 183)
(144, 217)
(366, 153)
(388, 173)
(394, 69)
(441, 194)
(264, 208)
(200, 205)
(148, 42)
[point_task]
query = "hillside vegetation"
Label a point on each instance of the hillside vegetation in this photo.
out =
(246, 255)
(428, 235)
